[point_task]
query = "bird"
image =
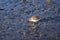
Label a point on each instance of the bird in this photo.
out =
(34, 19)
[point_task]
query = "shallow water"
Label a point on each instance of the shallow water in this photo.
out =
(14, 15)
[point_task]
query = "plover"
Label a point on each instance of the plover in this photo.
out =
(34, 19)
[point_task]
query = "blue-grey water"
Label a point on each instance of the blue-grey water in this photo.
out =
(14, 15)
